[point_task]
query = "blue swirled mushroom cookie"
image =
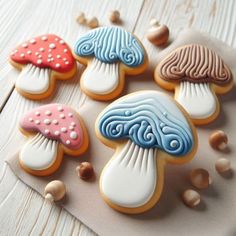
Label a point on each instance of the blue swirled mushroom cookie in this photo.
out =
(148, 129)
(196, 74)
(109, 53)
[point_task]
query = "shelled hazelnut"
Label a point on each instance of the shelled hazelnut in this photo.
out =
(222, 165)
(158, 34)
(114, 16)
(81, 19)
(200, 178)
(85, 170)
(191, 198)
(92, 23)
(218, 140)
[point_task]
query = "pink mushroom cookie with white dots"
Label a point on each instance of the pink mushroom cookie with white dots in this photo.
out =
(52, 130)
(42, 60)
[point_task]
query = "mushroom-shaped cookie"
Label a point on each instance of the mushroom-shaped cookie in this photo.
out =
(42, 60)
(197, 74)
(52, 130)
(148, 129)
(109, 53)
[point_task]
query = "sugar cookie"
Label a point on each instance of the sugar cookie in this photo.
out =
(52, 130)
(197, 74)
(42, 60)
(148, 129)
(109, 53)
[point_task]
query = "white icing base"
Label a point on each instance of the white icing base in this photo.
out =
(197, 99)
(33, 80)
(100, 78)
(39, 153)
(129, 179)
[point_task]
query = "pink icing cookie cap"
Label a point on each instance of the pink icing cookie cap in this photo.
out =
(55, 121)
(46, 51)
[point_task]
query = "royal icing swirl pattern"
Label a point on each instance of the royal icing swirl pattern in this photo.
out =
(150, 120)
(46, 51)
(55, 121)
(195, 63)
(111, 44)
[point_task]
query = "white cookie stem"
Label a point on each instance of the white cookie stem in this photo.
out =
(129, 178)
(100, 78)
(197, 99)
(39, 153)
(33, 80)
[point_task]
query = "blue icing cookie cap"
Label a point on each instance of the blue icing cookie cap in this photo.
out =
(151, 120)
(111, 44)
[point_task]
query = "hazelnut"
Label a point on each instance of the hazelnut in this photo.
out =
(158, 34)
(218, 140)
(200, 178)
(191, 198)
(81, 19)
(92, 23)
(55, 190)
(222, 165)
(114, 16)
(85, 170)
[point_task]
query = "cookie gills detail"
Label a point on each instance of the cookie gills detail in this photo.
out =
(130, 180)
(110, 45)
(39, 153)
(100, 78)
(197, 99)
(33, 80)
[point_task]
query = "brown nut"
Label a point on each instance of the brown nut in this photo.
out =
(222, 165)
(93, 23)
(114, 16)
(218, 140)
(200, 178)
(55, 190)
(191, 198)
(81, 19)
(85, 170)
(158, 35)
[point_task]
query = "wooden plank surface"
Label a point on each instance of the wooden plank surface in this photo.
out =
(23, 211)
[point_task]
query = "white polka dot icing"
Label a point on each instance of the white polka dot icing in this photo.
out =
(55, 122)
(62, 116)
(32, 41)
(44, 38)
(57, 132)
(73, 135)
(46, 120)
(42, 47)
(64, 129)
(52, 45)
(48, 113)
(46, 131)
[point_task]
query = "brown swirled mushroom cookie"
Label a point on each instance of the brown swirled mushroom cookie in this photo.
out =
(197, 74)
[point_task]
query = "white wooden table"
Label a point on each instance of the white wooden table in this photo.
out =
(23, 211)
